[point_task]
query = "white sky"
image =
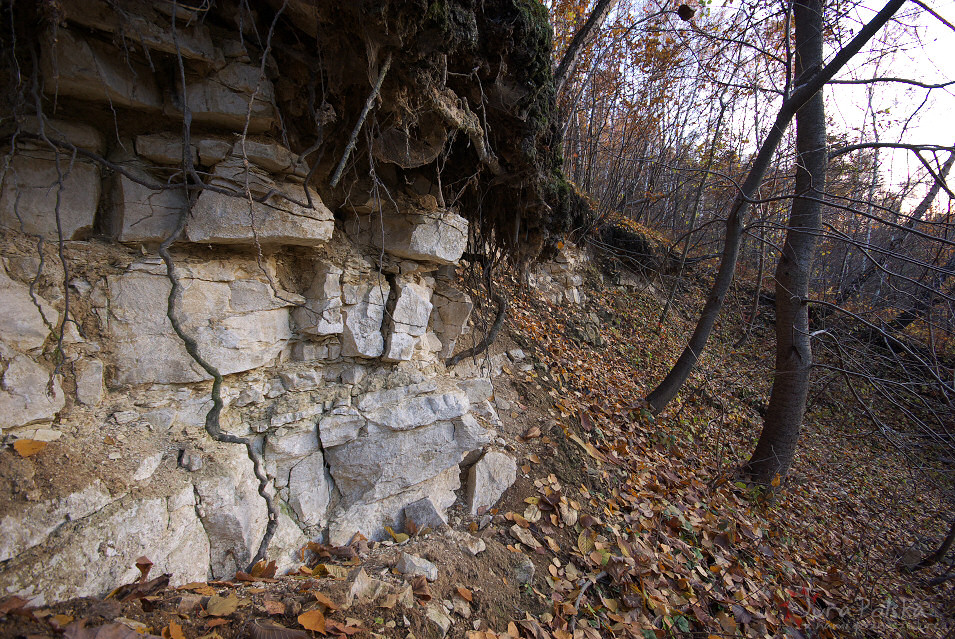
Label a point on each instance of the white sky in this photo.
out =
(929, 57)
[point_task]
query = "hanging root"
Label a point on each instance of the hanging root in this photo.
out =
(212, 417)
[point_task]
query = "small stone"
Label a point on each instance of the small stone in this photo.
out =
(523, 571)
(412, 566)
(488, 479)
(115, 455)
(473, 545)
(461, 607)
(190, 460)
(516, 354)
(365, 588)
(125, 416)
(439, 619)
(424, 515)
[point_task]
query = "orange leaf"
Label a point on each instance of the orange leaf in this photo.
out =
(465, 594)
(175, 631)
(313, 620)
(28, 447)
(323, 599)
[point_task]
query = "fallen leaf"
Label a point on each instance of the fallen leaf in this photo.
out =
(274, 607)
(222, 606)
(313, 620)
(265, 629)
(465, 594)
(531, 433)
(323, 599)
(28, 447)
(77, 630)
(61, 621)
(174, 631)
(11, 603)
(215, 622)
(419, 586)
(144, 565)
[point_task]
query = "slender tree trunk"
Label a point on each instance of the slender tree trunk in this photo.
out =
(787, 403)
(569, 62)
(671, 384)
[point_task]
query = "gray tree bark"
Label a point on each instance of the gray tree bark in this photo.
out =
(787, 403)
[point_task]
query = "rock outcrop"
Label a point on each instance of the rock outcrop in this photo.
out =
(328, 308)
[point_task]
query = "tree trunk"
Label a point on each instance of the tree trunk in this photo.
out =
(671, 384)
(569, 62)
(787, 403)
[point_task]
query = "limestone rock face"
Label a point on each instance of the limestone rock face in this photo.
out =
(27, 527)
(232, 513)
(30, 192)
(141, 214)
(322, 312)
(364, 311)
(237, 321)
(89, 381)
(218, 218)
(148, 27)
(409, 320)
(90, 70)
(235, 96)
(22, 324)
(439, 236)
(369, 518)
(163, 148)
(494, 473)
(25, 397)
(452, 310)
(167, 530)
(271, 156)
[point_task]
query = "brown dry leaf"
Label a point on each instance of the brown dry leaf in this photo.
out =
(77, 630)
(313, 620)
(274, 607)
(339, 629)
(264, 629)
(419, 586)
(174, 631)
(222, 606)
(28, 447)
(331, 570)
(465, 594)
(512, 630)
(534, 458)
(531, 433)
(144, 565)
(61, 621)
(391, 600)
(11, 603)
(199, 588)
(215, 622)
(585, 544)
(323, 599)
